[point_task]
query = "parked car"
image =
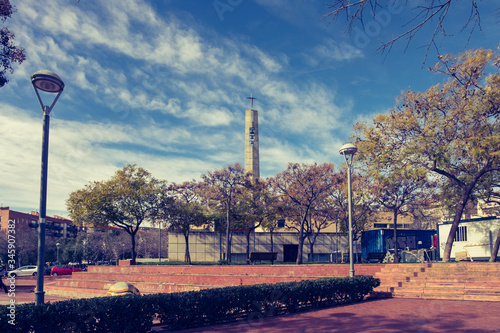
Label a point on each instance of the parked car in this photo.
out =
(63, 270)
(30, 270)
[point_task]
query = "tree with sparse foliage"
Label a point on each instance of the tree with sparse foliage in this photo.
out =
(363, 202)
(451, 130)
(127, 200)
(185, 211)
(9, 52)
(256, 208)
(220, 188)
(303, 188)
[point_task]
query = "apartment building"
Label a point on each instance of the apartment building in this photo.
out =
(55, 226)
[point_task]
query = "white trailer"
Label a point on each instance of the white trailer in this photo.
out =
(474, 238)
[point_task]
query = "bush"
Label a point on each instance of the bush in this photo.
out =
(188, 309)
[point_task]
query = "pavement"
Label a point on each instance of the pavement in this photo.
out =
(380, 315)
(23, 290)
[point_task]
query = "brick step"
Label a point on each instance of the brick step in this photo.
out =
(403, 269)
(89, 292)
(229, 280)
(482, 297)
(493, 280)
(241, 270)
(407, 294)
(144, 287)
(449, 296)
(396, 274)
(74, 292)
(474, 291)
(470, 273)
(483, 284)
(459, 270)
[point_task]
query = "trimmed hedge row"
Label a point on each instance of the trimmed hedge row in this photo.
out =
(185, 310)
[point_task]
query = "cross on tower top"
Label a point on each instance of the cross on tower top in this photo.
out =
(251, 98)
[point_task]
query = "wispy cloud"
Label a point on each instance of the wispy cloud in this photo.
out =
(153, 90)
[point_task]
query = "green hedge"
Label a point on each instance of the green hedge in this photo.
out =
(185, 310)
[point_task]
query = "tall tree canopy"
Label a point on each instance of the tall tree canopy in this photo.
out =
(9, 52)
(132, 196)
(303, 188)
(186, 211)
(221, 187)
(451, 130)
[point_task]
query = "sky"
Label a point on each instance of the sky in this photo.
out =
(164, 84)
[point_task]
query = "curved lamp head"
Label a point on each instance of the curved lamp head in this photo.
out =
(49, 82)
(348, 150)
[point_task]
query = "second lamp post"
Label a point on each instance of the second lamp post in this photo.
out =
(348, 150)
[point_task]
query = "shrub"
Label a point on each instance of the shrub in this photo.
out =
(188, 309)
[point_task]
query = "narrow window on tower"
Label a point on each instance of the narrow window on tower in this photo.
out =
(252, 136)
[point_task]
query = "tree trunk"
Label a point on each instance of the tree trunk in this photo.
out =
(301, 243)
(187, 254)
(456, 221)
(494, 252)
(228, 236)
(248, 247)
(395, 219)
(134, 254)
(272, 241)
(311, 250)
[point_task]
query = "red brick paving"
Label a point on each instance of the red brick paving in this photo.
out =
(385, 315)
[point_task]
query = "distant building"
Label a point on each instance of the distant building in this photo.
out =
(55, 226)
(205, 246)
(474, 238)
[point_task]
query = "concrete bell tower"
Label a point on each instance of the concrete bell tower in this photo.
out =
(252, 141)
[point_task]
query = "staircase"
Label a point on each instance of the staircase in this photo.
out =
(472, 281)
(167, 279)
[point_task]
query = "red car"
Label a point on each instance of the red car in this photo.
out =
(63, 270)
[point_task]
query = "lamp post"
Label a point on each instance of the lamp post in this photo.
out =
(49, 82)
(348, 150)
(57, 246)
(85, 251)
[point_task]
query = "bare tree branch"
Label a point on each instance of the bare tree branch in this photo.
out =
(427, 13)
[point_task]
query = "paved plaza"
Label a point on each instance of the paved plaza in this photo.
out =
(383, 315)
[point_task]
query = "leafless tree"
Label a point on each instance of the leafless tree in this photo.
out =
(425, 13)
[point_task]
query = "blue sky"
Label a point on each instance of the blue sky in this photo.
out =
(164, 85)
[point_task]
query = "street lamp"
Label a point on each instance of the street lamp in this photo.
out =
(85, 251)
(49, 82)
(348, 150)
(57, 245)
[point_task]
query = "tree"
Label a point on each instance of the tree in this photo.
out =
(131, 197)
(9, 52)
(428, 12)
(255, 208)
(452, 129)
(363, 202)
(302, 188)
(186, 211)
(489, 193)
(220, 187)
(397, 185)
(321, 217)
